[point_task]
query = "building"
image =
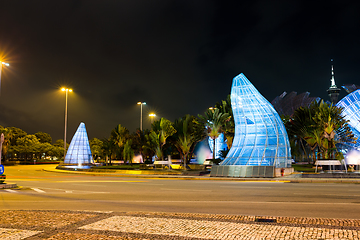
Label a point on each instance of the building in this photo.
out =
(333, 90)
(286, 104)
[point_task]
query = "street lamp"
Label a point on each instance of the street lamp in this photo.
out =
(141, 104)
(152, 115)
(66, 90)
(2, 63)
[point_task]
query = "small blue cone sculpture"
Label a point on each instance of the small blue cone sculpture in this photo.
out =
(79, 152)
(260, 143)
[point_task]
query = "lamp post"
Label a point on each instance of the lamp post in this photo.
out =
(2, 63)
(66, 90)
(152, 115)
(1, 142)
(141, 104)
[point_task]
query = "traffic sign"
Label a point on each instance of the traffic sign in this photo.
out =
(1, 169)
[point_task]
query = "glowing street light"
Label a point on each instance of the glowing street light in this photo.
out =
(2, 63)
(152, 115)
(66, 90)
(141, 104)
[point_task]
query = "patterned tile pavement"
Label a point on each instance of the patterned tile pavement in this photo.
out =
(74, 225)
(6, 233)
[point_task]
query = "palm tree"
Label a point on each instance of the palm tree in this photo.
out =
(333, 128)
(162, 129)
(139, 141)
(107, 149)
(119, 135)
(229, 126)
(320, 126)
(188, 133)
(299, 127)
(214, 122)
(313, 140)
(96, 147)
(128, 152)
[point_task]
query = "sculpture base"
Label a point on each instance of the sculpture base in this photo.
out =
(74, 166)
(249, 171)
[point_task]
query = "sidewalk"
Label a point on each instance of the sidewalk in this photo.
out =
(55, 225)
(73, 225)
(294, 178)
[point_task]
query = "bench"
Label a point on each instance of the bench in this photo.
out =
(329, 163)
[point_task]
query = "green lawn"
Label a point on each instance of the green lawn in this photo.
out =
(304, 168)
(120, 167)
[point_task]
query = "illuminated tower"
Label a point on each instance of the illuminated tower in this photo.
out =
(333, 91)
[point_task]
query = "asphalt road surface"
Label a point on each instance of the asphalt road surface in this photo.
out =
(60, 191)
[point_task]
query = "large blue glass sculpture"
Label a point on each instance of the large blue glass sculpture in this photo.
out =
(79, 152)
(261, 143)
(351, 112)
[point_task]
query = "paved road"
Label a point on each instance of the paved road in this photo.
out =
(58, 191)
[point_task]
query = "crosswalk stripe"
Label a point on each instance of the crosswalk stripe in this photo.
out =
(38, 190)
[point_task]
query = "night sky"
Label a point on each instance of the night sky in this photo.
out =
(178, 56)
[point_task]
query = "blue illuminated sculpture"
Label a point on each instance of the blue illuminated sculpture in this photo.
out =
(220, 144)
(261, 143)
(351, 112)
(79, 152)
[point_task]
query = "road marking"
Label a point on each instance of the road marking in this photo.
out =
(94, 211)
(76, 191)
(12, 191)
(103, 181)
(245, 202)
(263, 181)
(328, 194)
(38, 190)
(186, 202)
(240, 186)
(192, 190)
(154, 184)
(27, 179)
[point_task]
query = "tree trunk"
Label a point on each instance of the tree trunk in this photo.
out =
(185, 156)
(303, 147)
(214, 148)
(314, 156)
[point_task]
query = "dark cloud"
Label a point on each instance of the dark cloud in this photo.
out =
(178, 56)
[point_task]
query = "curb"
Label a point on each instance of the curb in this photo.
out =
(8, 185)
(325, 180)
(180, 177)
